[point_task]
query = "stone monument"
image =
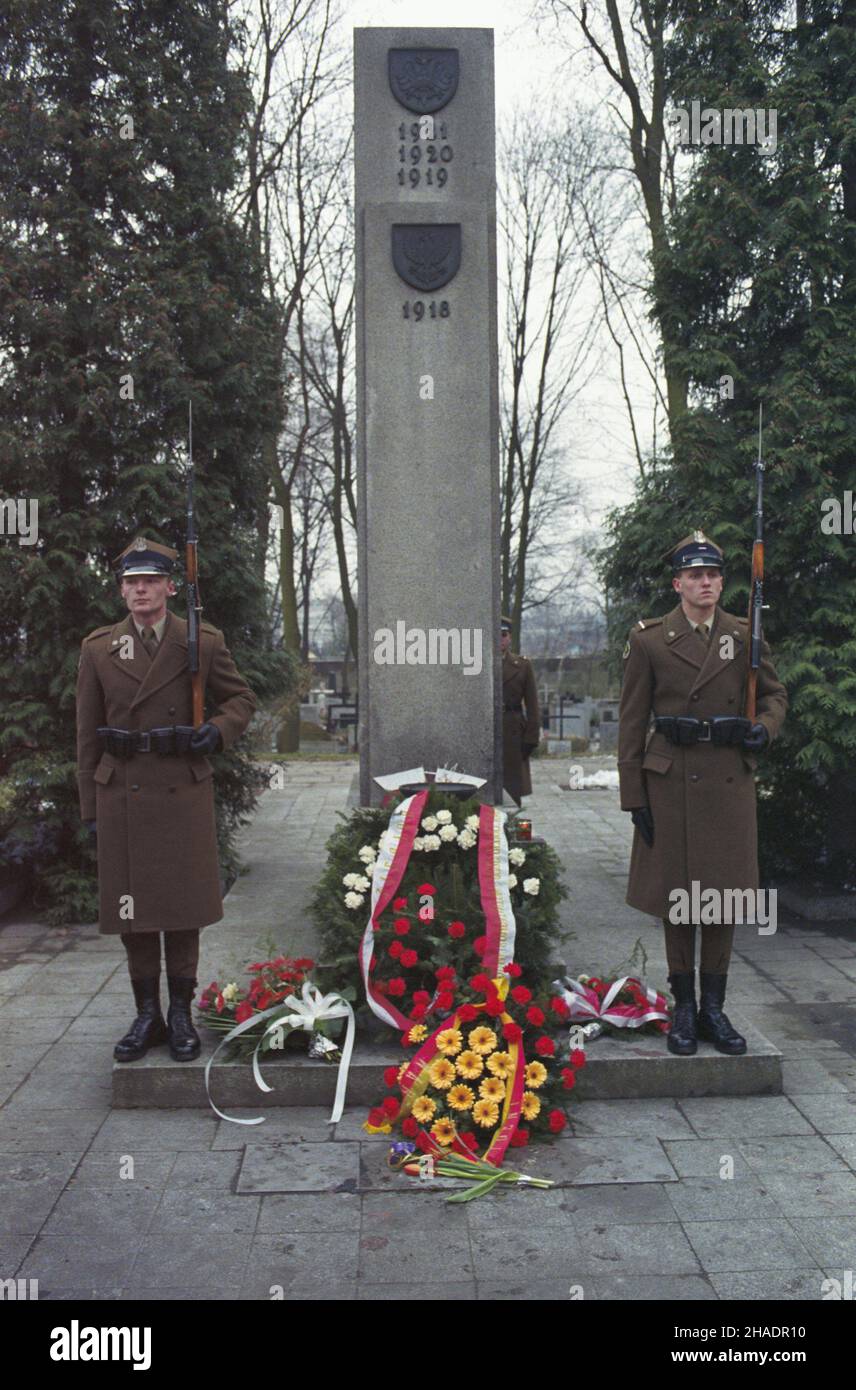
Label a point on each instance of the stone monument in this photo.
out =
(427, 404)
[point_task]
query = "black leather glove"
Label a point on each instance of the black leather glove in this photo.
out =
(756, 739)
(529, 749)
(206, 739)
(644, 822)
(91, 826)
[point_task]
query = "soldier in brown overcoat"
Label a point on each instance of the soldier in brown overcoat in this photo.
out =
(521, 726)
(689, 785)
(146, 791)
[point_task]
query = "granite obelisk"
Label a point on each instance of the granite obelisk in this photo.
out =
(427, 404)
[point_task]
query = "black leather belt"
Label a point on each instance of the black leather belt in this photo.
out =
(125, 743)
(720, 730)
(516, 709)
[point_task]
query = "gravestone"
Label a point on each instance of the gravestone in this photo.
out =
(427, 404)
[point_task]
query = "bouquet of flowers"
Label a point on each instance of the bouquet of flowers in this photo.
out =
(271, 982)
(615, 1003)
(489, 1076)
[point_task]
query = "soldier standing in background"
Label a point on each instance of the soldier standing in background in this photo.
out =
(146, 791)
(521, 720)
(690, 787)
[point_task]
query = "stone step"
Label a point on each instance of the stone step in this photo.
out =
(632, 1067)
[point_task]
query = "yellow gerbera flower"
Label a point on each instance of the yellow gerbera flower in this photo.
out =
(482, 1041)
(418, 1033)
(442, 1073)
(449, 1041)
(486, 1113)
(443, 1130)
(460, 1097)
(470, 1065)
(530, 1106)
(501, 1065)
(536, 1075)
(492, 1089)
(423, 1109)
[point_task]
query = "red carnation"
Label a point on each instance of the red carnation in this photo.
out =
(445, 972)
(467, 1012)
(469, 1141)
(409, 958)
(399, 904)
(390, 1076)
(480, 983)
(513, 970)
(426, 888)
(445, 1002)
(456, 929)
(521, 995)
(559, 1006)
(424, 1143)
(395, 949)
(377, 1117)
(557, 1121)
(578, 1057)
(421, 996)
(401, 925)
(535, 1016)
(390, 1106)
(409, 1128)
(397, 987)
(512, 1032)
(545, 1047)
(480, 945)
(569, 1078)
(418, 1012)
(494, 1008)
(520, 1138)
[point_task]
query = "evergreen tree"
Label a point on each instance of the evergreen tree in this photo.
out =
(126, 288)
(761, 275)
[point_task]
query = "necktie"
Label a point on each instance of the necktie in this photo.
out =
(150, 642)
(703, 633)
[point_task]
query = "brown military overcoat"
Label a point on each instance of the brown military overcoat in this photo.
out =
(519, 726)
(157, 844)
(702, 798)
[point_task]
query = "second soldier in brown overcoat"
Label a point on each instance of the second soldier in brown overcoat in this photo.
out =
(521, 720)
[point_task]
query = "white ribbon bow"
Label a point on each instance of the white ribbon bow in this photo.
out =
(307, 1009)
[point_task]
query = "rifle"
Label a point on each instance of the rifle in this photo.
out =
(756, 587)
(194, 606)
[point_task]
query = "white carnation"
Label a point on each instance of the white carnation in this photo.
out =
(418, 844)
(472, 822)
(368, 854)
(531, 885)
(351, 880)
(354, 900)
(512, 880)
(448, 833)
(466, 839)
(431, 842)
(362, 884)
(516, 856)
(229, 993)
(429, 823)
(444, 817)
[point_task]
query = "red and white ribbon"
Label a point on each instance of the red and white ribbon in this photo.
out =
(584, 1003)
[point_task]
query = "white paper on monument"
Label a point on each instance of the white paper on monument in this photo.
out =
(393, 780)
(448, 774)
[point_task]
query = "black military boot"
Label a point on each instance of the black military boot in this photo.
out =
(148, 1028)
(682, 1038)
(713, 1024)
(182, 1037)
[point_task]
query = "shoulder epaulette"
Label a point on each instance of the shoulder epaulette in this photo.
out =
(648, 622)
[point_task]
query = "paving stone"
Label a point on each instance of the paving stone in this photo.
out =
(103, 1169)
(808, 1078)
(335, 1290)
(607, 1245)
(84, 1210)
(64, 1261)
(704, 1158)
(828, 1239)
(831, 1114)
(189, 1260)
(630, 1118)
(802, 1285)
(52, 1093)
(13, 1248)
(744, 1117)
(219, 1212)
(323, 1261)
(412, 1254)
(721, 1199)
(306, 1212)
(845, 1145)
(286, 1124)
(158, 1294)
(813, 1194)
(135, 1131)
(748, 1245)
(49, 1131)
(31, 1184)
(797, 1154)
(300, 1168)
(636, 1288)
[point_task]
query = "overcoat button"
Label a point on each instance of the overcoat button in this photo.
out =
(694, 777)
(135, 787)
(695, 697)
(671, 633)
(171, 709)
